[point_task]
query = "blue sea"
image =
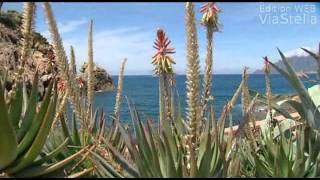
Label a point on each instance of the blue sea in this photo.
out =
(143, 90)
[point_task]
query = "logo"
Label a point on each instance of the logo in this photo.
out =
(299, 14)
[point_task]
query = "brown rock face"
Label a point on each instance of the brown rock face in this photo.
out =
(102, 80)
(41, 58)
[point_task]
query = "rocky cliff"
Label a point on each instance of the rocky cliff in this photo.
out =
(41, 59)
(102, 80)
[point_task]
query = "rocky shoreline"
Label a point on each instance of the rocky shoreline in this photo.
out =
(41, 58)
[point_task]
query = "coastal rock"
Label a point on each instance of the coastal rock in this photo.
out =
(102, 80)
(41, 58)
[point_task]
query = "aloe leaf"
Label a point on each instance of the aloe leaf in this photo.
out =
(204, 142)
(281, 71)
(53, 153)
(25, 99)
(281, 111)
(38, 142)
(125, 164)
(15, 108)
(43, 170)
(294, 79)
(310, 110)
(171, 168)
(314, 93)
(154, 149)
(216, 165)
(297, 106)
(31, 110)
(126, 139)
(65, 129)
(107, 166)
(286, 124)
(8, 139)
(75, 132)
(100, 170)
(36, 123)
(314, 55)
(162, 156)
(144, 147)
(207, 158)
(170, 137)
(81, 174)
(284, 163)
(93, 123)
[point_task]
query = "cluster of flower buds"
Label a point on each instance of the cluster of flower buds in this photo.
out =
(62, 84)
(266, 65)
(210, 15)
(161, 59)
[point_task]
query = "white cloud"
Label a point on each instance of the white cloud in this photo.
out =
(67, 27)
(112, 46)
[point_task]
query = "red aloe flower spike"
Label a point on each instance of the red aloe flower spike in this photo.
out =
(266, 60)
(61, 86)
(210, 16)
(266, 64)
(81, 83)
(160, 58)
(210, 6)
(162, 43)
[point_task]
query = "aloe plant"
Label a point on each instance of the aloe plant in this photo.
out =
(163, 68)
(162, 155)
(288, 149)
(65, 141)
(211, 22)
(316, 57)
(306, 108)
(24, 133)
(292, 154)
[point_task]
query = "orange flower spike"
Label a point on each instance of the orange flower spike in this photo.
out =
(161, 58)
(266, 64)
(81, 83)
(61, 86)
(210, 6)
(210, 12)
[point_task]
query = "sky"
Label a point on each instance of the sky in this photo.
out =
(127, 30)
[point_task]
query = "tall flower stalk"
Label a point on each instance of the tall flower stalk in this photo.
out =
(245, 100)
(72, 67)
(27, 28)
(60, 54)
(62, 105)
(246, 109)
(90, 67)
(268, 87)
(193, 96)
(119, 93)
(210, 21)
(163, 68)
